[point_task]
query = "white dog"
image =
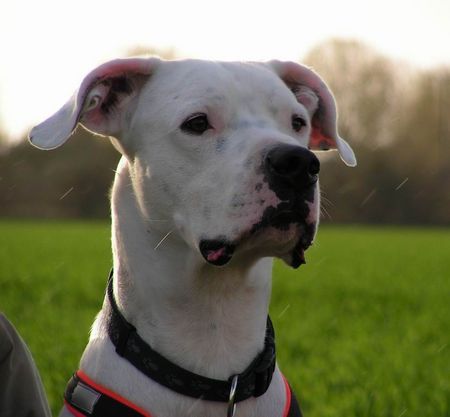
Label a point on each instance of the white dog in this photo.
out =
(216, 178)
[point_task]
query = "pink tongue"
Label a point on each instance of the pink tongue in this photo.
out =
(214, 255)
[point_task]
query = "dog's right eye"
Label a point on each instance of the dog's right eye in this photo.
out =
(196, 124)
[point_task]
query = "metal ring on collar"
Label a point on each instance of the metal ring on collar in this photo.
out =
(232, 400)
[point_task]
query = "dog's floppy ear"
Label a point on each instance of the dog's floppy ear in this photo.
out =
(99, 103)
(315, 95)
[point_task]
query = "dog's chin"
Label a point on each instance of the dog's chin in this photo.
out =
(296, 256)
(287, 241)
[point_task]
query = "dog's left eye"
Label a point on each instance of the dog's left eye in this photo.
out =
(298, 123)
(196, 124)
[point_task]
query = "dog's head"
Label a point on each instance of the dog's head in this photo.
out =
(223, 151)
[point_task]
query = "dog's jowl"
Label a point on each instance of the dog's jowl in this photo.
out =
(218, 175)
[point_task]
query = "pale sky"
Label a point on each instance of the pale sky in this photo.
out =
(48, 46)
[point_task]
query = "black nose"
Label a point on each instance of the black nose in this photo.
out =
(292, 165)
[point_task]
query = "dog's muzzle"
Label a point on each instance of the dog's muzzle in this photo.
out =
(291, 172)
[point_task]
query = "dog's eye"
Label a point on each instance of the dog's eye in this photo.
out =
(298, 123)
(196, 124)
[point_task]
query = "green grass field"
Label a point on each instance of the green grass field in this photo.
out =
(362, 330)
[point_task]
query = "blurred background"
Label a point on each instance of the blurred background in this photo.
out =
(388, 64)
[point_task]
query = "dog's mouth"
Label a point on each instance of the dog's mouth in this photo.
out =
(220, 252)
(217, 252)
(284, 231)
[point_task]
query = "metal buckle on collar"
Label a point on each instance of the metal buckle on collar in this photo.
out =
(232, 399)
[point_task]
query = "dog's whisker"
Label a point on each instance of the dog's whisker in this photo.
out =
(326, 201)
(324, 211)
(162, 240)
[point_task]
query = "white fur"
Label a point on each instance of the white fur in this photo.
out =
(173, 189)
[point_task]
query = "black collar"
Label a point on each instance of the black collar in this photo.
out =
(253, 382)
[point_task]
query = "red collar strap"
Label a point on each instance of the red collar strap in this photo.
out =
(86, 398)
(291, 407)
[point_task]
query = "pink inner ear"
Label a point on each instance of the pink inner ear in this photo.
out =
(306, 97)
(324, 133)
(319, 141)
(93, 117)
(100, 84)
(55, 130)
(111, 69)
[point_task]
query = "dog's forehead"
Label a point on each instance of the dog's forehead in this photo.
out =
(191, 79)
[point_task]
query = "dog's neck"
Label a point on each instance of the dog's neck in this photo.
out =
(209, 320)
